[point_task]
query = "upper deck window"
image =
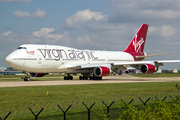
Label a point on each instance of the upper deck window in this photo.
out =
(21, 48)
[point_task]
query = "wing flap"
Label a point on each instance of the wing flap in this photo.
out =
(85, 66)
(135, 64)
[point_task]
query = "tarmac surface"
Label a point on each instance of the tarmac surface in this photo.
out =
(109, 79)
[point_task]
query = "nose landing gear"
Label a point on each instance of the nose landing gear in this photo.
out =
(26, 78)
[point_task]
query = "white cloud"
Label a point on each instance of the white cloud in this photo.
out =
(66, 33)
(167, 31)
(43, 36)
(45, 33)
(7, 33)
(81, 17)
(21, 14)
(152, 29)
(38, 14)
(84, 39)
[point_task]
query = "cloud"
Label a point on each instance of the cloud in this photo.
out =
(17, 0)
(43, 36)
(7, 33)
(84, 39)
(45, 33)
(144, 11)
(82, 17)
(38, 14)
(167, 31)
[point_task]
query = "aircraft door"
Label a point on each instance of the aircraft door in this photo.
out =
(39, 59)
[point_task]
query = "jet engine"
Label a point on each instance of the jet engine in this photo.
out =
(38, 74)
(101, 71)
(148, 68)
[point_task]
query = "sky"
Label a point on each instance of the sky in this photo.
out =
(91, 24)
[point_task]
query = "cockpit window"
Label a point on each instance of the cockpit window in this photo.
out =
(21, 48)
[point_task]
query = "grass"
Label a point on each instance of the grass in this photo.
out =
(26, 95)
(22, 96)
(36, 98)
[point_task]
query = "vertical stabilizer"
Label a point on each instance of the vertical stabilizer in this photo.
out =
(138, 42)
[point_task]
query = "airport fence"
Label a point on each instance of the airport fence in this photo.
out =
(82, 105)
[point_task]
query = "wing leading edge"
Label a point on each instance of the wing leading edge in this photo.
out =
(118, 65)
(157, 63)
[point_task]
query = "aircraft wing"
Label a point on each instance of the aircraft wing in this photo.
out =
(86, 66)
(156, 63)
(135, 64)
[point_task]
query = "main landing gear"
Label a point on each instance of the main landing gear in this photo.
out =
(85, 77)
(68, 77)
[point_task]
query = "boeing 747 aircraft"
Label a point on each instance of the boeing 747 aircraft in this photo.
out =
(39, 60)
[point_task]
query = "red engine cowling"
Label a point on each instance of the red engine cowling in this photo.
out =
(101, 71)
(38, 74)
(148, 69)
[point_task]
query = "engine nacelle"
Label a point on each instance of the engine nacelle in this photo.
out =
(148, 69)
(38, 74)
(101, 71)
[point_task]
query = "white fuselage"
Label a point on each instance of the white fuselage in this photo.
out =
(51, 58)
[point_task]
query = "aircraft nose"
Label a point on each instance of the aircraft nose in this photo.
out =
(8, 60)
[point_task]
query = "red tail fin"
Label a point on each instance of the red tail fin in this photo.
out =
(137, 43)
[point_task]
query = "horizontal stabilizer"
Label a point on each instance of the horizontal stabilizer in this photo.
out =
(153, 55)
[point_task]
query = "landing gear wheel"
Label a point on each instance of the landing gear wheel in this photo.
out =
(95, 78)
(27, 78)
(68, 77)
(83, 78)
